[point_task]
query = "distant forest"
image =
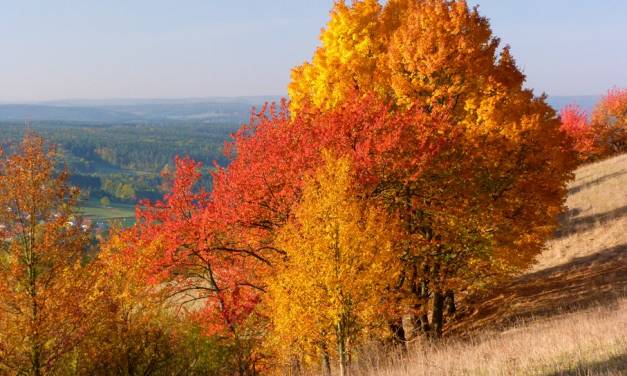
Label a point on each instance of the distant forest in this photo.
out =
(123, 162)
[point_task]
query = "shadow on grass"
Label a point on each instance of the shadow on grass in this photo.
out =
(616, 365)
(600, 278)
(594, 182)
(570, 225)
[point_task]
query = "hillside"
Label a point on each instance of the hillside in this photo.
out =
(566, 316)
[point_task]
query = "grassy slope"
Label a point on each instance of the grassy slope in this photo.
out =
(566, 316)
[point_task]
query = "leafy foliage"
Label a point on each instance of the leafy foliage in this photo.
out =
(43, 287)
(481, 210)
(604, 134)
(139, 329)
(440, 133)
(610, 122)
(577, 127)
(328, 293)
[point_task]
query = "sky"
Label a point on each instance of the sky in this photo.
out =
(90, 49)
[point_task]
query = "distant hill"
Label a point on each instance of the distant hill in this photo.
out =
(210, 110)
(35, 112)
(250, 100)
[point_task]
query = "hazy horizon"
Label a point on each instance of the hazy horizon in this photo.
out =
(68, 51)
(165, 100)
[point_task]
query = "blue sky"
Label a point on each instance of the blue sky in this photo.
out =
(195, 48)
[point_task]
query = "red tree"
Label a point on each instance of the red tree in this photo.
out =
(581, 134)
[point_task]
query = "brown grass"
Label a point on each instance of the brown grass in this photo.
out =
(589, 342)
(566, 316)
(596, 219)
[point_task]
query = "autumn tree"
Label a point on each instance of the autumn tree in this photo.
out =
(609, 120)
(105, 201)
(42, 289)
(349, 58)
(131, 334)
(417, 163)
(326, 297)
(577, 127)
(194, 256)
(510, 170)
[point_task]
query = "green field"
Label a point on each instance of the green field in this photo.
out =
(122, 213)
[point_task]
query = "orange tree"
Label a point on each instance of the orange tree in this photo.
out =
(139, 327)
(43, 287)
(609, 120)
(504, 184)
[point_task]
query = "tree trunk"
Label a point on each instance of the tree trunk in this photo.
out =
(35, 340)
(295, 367)
(396, 327)
(409, 327)
(424, 297)
(326, 361)
(437, 318)
(449, 303)
(36, 360)
(424, 323)
(341, 348)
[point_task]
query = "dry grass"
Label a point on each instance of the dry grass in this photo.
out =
(588, 342)
(566, 316)
(596, 219)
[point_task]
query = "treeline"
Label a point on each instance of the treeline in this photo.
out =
(121, 187)
(90, 148)
(409, 169)
(124, 161)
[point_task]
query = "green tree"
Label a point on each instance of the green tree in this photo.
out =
(104, 201)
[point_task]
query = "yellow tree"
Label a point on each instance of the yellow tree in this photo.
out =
(338, 259)
(42, 288)
(433, 50)
(347, 60)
